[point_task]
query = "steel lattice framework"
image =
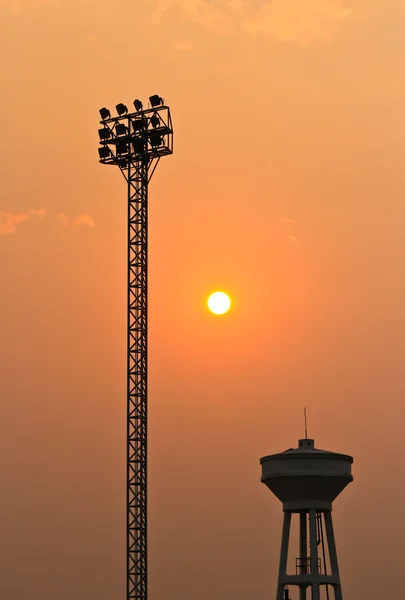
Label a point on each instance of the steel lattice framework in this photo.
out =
(135, 142)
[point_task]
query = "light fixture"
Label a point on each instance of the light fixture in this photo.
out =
(120, 129)
(156, 140)
(104, 152)
(121, 109)
(156, 101)
(138, 124)
(104, 134)
(155, 121)
(138, 105)
(105, 113)
(138, 145)
(122, 148)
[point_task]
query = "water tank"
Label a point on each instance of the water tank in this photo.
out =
(306, 477)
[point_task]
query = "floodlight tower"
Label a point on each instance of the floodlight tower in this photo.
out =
(307, 480)
(135, 142)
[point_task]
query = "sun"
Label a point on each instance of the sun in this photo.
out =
(219, 303)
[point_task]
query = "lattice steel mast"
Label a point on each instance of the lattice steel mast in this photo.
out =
(135, 142)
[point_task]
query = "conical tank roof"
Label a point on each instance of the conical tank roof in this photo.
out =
(306, 477)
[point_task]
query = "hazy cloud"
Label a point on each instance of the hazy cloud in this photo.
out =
(293, 239)
(40, 213)
(9, 221)
(85, 219)
(299, 21)
(17, 5)
(64, 218)
(286, 220)
(183, 46)
(205, 12)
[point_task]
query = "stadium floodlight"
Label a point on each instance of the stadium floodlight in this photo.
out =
(138, 145)
(120, 129)
(104, 152)
(138, 125)
(155, 121)
(104, 134)
(121, 109)
(122, 148)
(156, 140)
(156, 101)
(136, 158)
(105, 113)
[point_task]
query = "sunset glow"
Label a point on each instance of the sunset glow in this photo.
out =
(275, 257)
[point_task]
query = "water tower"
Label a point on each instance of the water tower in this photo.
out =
(307, 480)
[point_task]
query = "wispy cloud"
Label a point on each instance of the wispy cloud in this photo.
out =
(85, 219)
(9, 220)
(299, 21)
(82, 219)
(293, 239)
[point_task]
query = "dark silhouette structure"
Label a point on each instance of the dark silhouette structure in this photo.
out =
(135, 142)
(307, 480)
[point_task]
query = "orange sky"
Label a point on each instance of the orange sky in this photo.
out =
(286, 189)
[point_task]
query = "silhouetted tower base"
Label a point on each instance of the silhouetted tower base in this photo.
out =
(307, 480)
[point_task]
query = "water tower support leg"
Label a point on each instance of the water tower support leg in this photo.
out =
(303, 552)
(314, 554)
(332, 553)
(282, 571)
